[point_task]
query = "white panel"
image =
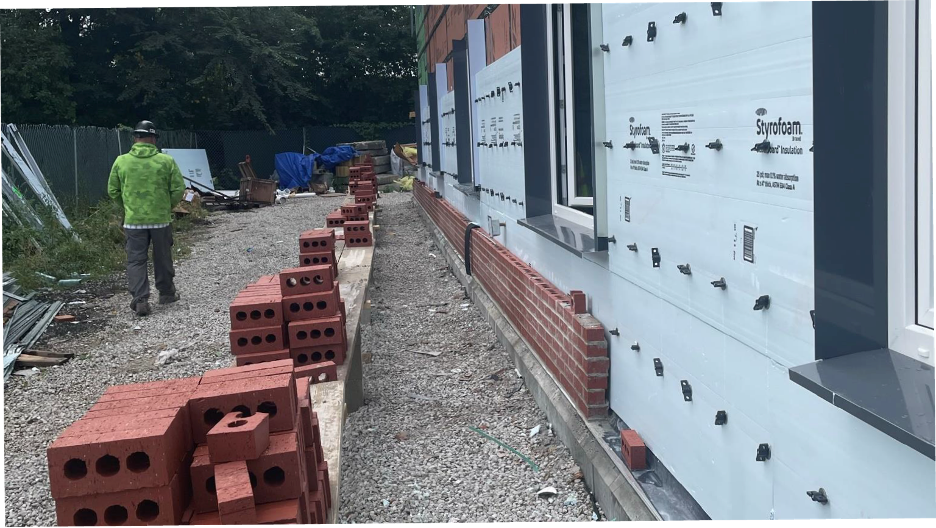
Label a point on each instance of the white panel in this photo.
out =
(499, 107)
(698, 83)
(447, 131)
(194, 165)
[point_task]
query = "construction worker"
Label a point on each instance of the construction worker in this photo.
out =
(147, 183)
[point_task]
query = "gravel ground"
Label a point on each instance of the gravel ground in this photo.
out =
(408, 455)
(232, 250)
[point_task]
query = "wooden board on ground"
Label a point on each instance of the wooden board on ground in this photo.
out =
(29, 360)
(327, 400)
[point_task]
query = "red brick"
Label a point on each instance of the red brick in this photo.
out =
(311, 305)
(265, 369)
(317, 241)
(309, 279)
(261, 357)
(316, 332)
(634, 450)
(334, 219)
(254, 340)
(309, 356)
(235, 494)
(325, 482)
(599, 365)
(319, 372)
(274, 476)
(349, 210)
(317, 437)
(158, 505)
(323, 258)
(110, 454)
(275, 395)
(173, 385)
(223, 372)
(123, 407)
(317, 499)
(249, 311)
(238, 437)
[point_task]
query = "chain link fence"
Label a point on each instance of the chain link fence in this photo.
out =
(76, 161)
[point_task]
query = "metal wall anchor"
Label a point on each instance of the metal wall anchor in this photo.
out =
(514, 200)
(684, 147)
(720, 283)
(811, 148)
(630, 145)
(715, 145)
(607, 144)
(612, 240)
(628, 40)
(519, 203)
(632, 247)
(501, 196)
(686, 390)
(812, 315)
(655, 257)
(763, 146)
(681, 18)
(685, 269)
(654, 145)
(481, 143)
(762, 302)
(763, 453)
(635, 347)
(614, 332)
(510, 86)
(716, 8)
(721, 418)
(651, 31)
(818, 496)
(604, 47)
(658, 366)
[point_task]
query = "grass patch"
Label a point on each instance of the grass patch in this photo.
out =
(99, 250)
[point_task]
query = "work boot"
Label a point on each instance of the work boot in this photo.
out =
(141, 307)
(169, 298)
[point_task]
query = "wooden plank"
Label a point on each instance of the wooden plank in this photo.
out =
(327, 400)
(29, 360)
(50, 354)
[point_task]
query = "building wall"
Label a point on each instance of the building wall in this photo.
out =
(813, 444)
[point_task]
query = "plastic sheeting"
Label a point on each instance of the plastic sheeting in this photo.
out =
(294, 169)
(332, 156)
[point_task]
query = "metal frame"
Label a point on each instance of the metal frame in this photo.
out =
(909, 162)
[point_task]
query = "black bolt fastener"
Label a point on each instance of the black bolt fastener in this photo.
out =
(681, 18)
(685, 269)
(658, 366)
(630, 145)
(716, 8)
(715, 145)
(604, 47)
(684, 147)
(818, 496)
(720, 283)
(686, 390)
(763, 146)
(635, 347)
(763, 453)
(607, 144)
(628, 40)
(632, 247)
(762, 302)
(614, 332)
(721, 418)
(651, 31)
(655, 257)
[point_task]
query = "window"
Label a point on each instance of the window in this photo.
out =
(910, 181)
(924, 166)
(572, 116)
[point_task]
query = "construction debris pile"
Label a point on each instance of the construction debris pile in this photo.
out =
(354, 218)
(375, 152)
(27, 320)
(239, 445)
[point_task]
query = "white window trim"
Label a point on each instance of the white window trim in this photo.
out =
(904, 334)
(924, 190)
(567, 213)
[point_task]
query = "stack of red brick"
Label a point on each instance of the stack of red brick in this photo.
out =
(236, 446)
(354, 217)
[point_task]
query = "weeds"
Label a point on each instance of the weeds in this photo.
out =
(98, 251)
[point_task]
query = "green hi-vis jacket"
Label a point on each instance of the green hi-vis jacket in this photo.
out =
(147, 183)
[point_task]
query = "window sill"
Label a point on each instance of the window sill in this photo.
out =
(467, 189)
(569, 235)
(887, 390)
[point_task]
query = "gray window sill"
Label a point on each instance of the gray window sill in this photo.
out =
(568, 235)
(467, 189)
(887, 390)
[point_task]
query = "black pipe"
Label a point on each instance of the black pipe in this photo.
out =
(468, 228)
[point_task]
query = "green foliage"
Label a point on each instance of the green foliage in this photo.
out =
(208, 68)
(370, 131)
(98, 252)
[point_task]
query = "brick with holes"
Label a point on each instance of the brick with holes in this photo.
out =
(224, 372)
(359, 240)
(261, 357)
(308, 279)
(157, 505)
(239, 437)
(349, 210)
(316, 333)
(317, 240)
(274, 476)
(274, 395)
(121, 452)
(318, 373)
(253, 340)
(312, 305)
(234, 493)
(633, 450)
(367, 199)
(335, 353)
(334, 219)
(256, 311)
(324, 258)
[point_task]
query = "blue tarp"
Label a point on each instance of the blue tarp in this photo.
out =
(294, 169)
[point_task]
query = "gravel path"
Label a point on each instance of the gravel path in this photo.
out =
(408, 454)
(234, 249)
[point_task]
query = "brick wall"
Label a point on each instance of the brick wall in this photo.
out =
(569, 342)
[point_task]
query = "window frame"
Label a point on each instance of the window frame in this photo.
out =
(567, 212)
(909, 191)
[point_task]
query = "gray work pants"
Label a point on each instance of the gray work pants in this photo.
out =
(138, 241)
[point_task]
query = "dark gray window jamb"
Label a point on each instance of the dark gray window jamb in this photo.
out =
(434, 123)
(419, 120)
(463, 139)
(534, 68)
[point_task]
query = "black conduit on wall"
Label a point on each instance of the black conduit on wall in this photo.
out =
(468, 228)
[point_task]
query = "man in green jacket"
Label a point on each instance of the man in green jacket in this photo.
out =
(147, 183)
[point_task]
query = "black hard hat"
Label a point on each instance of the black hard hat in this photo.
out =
(145, 128)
